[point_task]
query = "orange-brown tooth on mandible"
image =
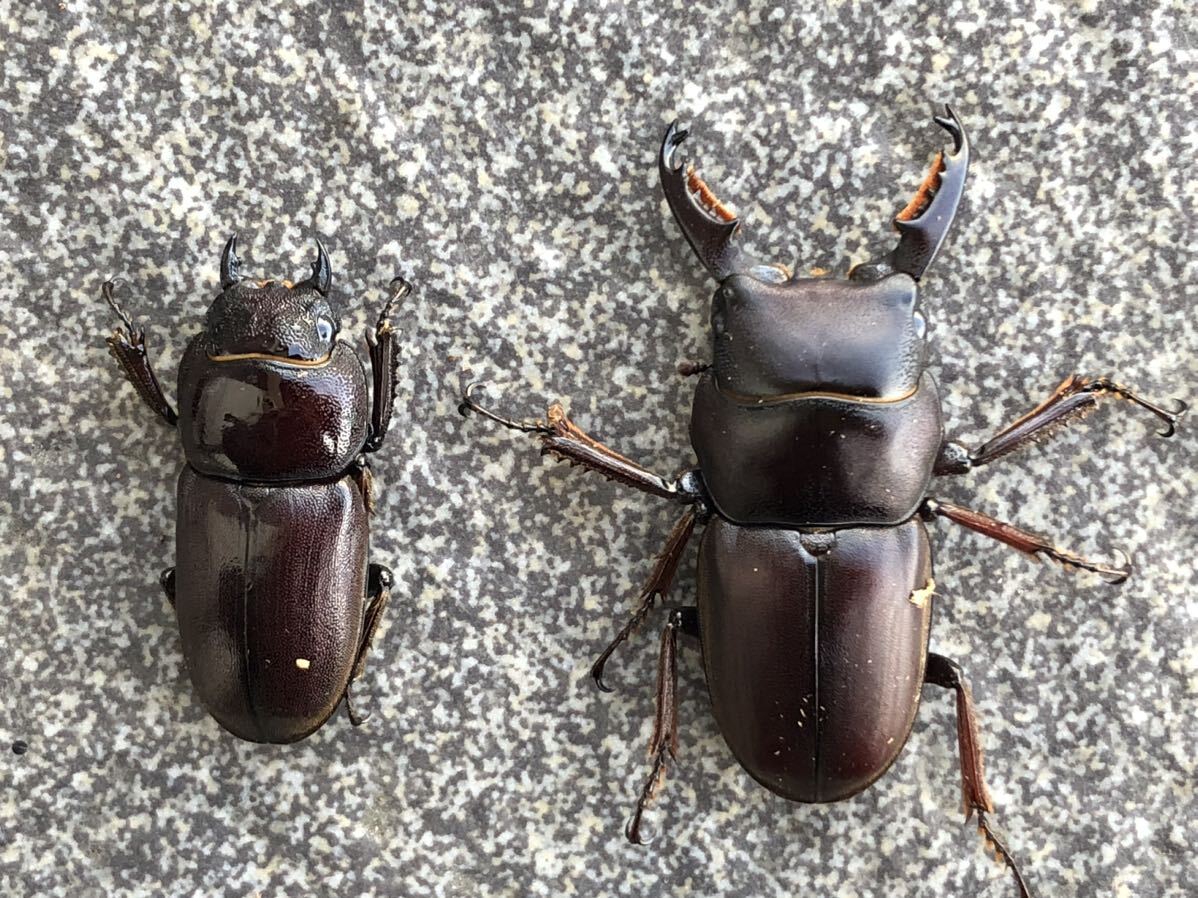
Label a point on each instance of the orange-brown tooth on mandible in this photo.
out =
(706, 197)
(923, 196)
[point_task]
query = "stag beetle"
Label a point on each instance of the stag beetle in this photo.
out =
(817, 430)
(275, 600)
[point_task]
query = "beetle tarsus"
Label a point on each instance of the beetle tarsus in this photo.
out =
(564, 439)
(355, 718)
(379, 582)
(975, 796)
(996, 843)
(470, 404)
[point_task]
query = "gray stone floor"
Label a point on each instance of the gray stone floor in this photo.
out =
(504, 160)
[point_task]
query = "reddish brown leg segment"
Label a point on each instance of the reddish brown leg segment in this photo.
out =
(1024, 541)
(128, 346)
(563, 438)
(658, 584)
(663, 747)
(383, 345)
(975, 796)
(1074, 398)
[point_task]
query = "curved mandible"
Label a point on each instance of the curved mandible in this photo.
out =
(230, 265)
(924, 222)
(705, 222)
(322, 272)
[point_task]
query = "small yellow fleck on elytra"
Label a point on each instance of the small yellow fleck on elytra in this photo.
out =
(302, 663)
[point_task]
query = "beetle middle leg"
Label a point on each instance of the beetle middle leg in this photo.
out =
(974, 795)
(128, 346)
(1023, 540)
(1075, 397)
(663, 746)
(378, 595)
(658, 584)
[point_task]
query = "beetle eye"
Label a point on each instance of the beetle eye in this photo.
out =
(324, 329)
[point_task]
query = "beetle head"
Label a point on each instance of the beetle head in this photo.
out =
(776, 340)
(275, 319)
(778, 336)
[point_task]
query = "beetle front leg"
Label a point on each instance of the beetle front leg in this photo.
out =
(1023, 540)
(128, 346)
(1074, 398)
(379, 595)
(975, 796)
(563, 438)
(382, 343)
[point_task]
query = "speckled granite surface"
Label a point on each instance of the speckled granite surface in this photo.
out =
(504, 160)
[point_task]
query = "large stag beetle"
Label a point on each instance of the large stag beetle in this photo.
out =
(276, 601)
(818, 431)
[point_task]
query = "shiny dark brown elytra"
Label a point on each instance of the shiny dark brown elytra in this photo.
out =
(818, 431)
(276, 600)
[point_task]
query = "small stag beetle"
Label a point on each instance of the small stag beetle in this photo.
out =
(275, 600)
(818, 431)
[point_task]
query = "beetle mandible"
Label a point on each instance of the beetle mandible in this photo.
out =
(276, 601)
(818, 431)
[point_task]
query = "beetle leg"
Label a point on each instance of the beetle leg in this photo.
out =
(1074, 398)
(167, 579)
(128, 346)
(975, 796)
(655, 587)
(561, 437)
(1022, 540)
(380, 580)
(382, 344)
(663, 746)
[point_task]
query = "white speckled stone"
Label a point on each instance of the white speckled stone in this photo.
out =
(503, 158)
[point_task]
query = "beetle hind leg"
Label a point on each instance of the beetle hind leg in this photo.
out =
(663, 746)
(974, 795)
(378, 596)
